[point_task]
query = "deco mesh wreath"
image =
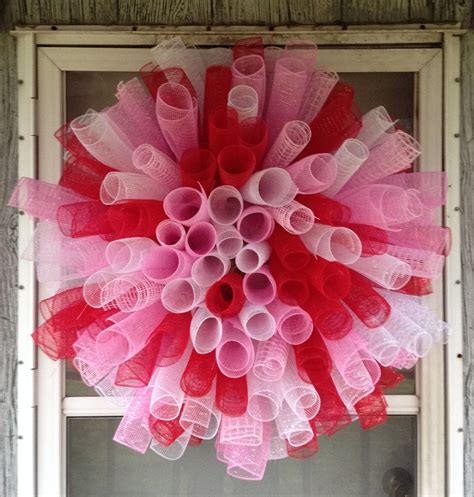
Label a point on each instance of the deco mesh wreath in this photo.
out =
(238, 253)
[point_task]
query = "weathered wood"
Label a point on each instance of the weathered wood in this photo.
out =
(375, 11)
(467, 252)
(8, 265)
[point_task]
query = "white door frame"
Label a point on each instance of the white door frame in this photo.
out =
(439, 398)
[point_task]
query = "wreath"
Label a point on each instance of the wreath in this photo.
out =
(237, 253)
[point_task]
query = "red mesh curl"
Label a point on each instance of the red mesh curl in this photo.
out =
(225, 297)
(84, 176)
(292, 287)
(165, 432)
(248, 46)
(135, 218)
(312, 359)
(290, 250)
(174, 334)
(389, 378)
(199, 374)
(236, 163)
(217, 86)
(194, 441)
(417, 286)
(137, 371)
(326, 210)
(331, 279)
(223, 129)
(84, 219)
(333, 414)
(374, 240)
(338, 120)
(67, 315)
(329, 316)
(154, 77)
(368, 305)
(198, 167)
(372, 410)
(71, 143)
(231, 395)
(253, 133)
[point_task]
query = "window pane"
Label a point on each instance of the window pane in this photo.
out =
(351, 463)
(395, 91)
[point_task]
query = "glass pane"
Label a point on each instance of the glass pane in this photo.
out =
(395, 91)
(351, 463)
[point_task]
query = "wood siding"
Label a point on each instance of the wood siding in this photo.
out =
(209, 12)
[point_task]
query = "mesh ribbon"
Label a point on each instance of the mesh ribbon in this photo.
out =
(290, 77)
(40, 199)
(126, 186)
(273, 187)
(83, 176)
(186, 206)
(127, 254)
(250, 70)
(331, 279)
(201, 416)
(182, 295)
(225, 205)
(226, 298)
(296, 218)
(350, 156)
(231, 395)
(248, 46)
(253, 133)
(372, 309)
(198, 168)
(235, 353)
(338, 120)
(236, 163)
(157, 165)
(315, 173)
(293, 137)
(326, 210)
(163, 264)
(396, 153)
(260, 286)
(257, 321)
(229, 241)
(320, 85)
(294, 324)
(264, 398)
(104, 140)
(209, 268)
(289, 249)
(199, 374)
(255, 224)
(223, 129)
(205, 331)
(171, 234)
(177, 115)
(252, 257)
(292, 287)
(167, 396)
(376, 124)
(200, 239)
(312, 359)
(270, 359)
(244, 100)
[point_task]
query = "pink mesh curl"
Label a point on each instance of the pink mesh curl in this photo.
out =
(273, 187)
(171, 234)
(229, 241)
(163, 264)
(209, 268)
(296, 218)
(125, 186)
(157, 165)
(244, 100)
(177, 115)
(235, 353)
(270, 359)
(225, 205)
(319, 86)
(205, 331)
(257, 321)
(255, 224)
(200, 239)
(376, 125)
(260, 287)
(250, 71)
(182, 295)
(265, 398)
(186, 206)
(294, 324)
(252, 257)
(290, 142)
(127, 254)
(314, 173)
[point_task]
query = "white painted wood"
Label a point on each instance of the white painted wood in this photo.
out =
(100, 406)
(51, 454)
(430, 384)
(26, 414)
(350, 60)
(454, 278)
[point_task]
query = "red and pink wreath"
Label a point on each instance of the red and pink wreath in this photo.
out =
(238, 253)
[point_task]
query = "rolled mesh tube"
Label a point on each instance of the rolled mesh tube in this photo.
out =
(186, 206)
(209, 268)
(257, 321)
(182, 295)
(244, 100)
(250, 71)
(319, 87)
(171, 233)
(225, 205)
(252, 257)
(270, 359)
(205, 330)
(273, 187)
(126, 186)
(294, 324)
(314, 174)
(376, 124)
(163, 264)
(127, 254)
(255, 224)
(264, 398)
(294, 217)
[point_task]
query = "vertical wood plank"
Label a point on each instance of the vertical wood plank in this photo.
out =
(8, 266)
(375, 11)
(467, 252)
